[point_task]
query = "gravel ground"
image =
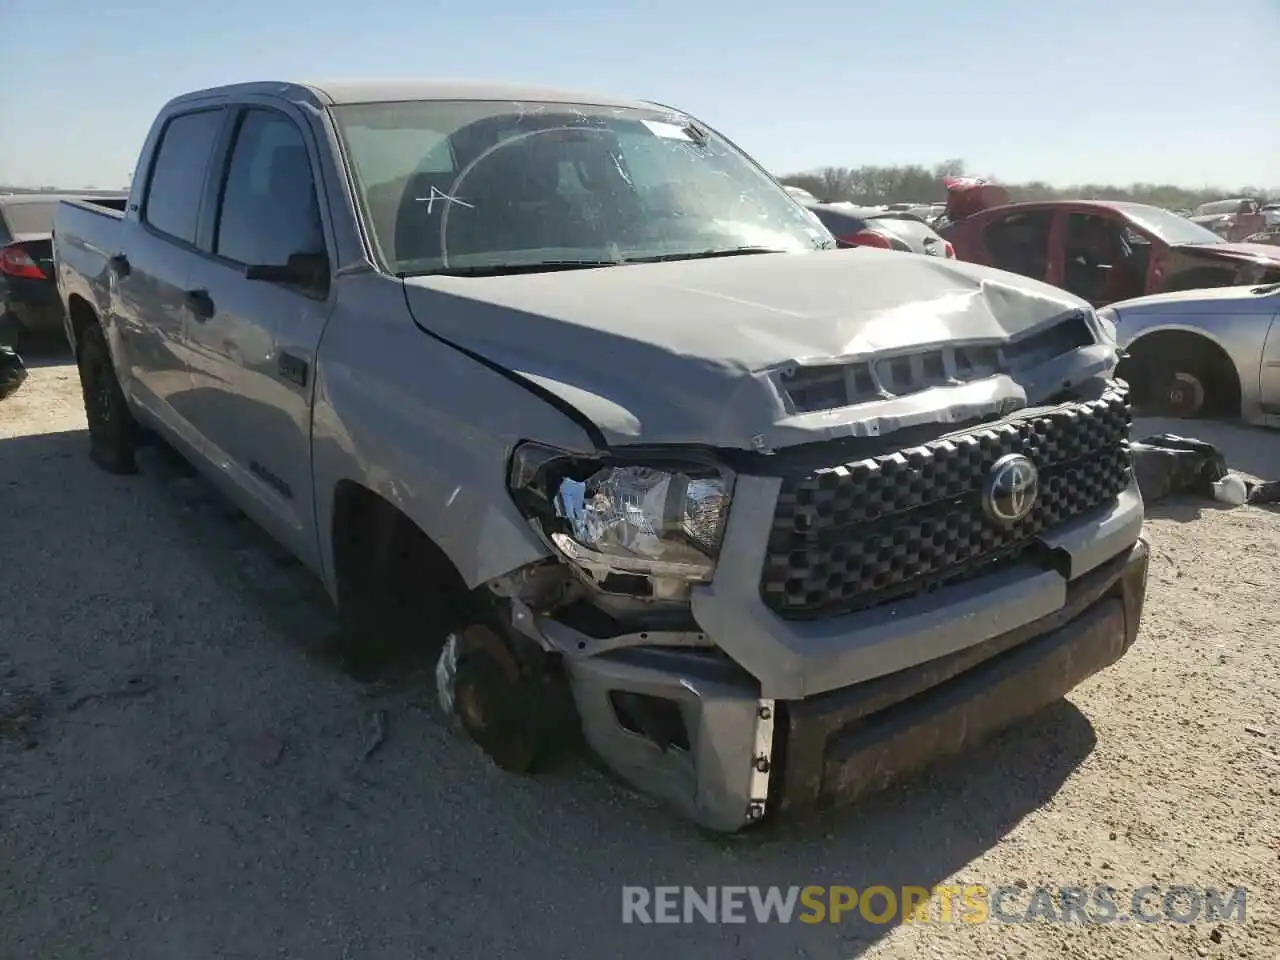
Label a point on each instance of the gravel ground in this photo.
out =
(184, 774)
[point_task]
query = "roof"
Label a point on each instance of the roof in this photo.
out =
(1120, 206)
(389, 89)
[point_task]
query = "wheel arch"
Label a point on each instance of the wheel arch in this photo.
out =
(1170, 339)
(81, 314)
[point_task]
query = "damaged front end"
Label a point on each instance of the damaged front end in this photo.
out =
(742, 632)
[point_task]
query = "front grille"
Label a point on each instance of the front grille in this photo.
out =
(807, 389)
(854, 536)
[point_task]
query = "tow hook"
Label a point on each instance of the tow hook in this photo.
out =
(761, 760)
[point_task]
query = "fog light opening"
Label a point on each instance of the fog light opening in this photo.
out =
(654, 718)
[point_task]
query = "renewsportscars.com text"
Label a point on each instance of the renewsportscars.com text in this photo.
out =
(969, 904)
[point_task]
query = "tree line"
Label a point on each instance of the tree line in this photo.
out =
(920, 184)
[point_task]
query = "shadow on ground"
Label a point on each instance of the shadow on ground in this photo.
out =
(425, 849)
(45, 350)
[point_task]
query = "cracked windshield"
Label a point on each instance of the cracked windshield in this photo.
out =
(699, 481)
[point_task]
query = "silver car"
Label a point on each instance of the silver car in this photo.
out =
(1203, 352)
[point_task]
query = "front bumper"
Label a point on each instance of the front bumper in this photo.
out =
(834, 747)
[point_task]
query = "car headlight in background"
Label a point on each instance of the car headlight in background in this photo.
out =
(1106, 320)
(662, 520)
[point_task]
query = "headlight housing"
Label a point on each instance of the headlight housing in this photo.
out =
(653, 517)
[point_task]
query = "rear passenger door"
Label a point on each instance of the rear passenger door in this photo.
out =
(148, 275)
(252, 342)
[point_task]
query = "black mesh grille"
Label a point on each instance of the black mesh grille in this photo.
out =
(854, 536)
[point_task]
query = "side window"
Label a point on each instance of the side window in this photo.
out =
(172, 204)
(1019, 243)
(268, 210)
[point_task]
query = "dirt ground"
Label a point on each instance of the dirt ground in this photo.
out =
(184, 774)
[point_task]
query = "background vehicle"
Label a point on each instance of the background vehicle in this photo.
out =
(574, 391)
(1230, 219)
(1204, 352)
(801, 194)
(1105, 251)
(1271, 214)
(28, 297)
(888, 229)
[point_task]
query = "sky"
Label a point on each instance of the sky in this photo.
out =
(1112, 91)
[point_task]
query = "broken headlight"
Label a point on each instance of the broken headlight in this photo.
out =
(608, 516)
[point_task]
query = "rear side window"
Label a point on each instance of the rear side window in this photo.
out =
(269, 210)
(177, 174)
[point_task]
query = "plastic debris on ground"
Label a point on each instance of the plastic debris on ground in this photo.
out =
(1166, 465)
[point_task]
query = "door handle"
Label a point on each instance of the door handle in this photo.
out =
(119, 265)
(200, 303)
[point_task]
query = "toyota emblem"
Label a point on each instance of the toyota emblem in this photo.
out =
(1011, 489)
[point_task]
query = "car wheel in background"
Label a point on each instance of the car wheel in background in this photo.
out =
(112, 430)
(1179, 374)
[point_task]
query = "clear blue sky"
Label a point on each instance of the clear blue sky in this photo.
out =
(1184, 91)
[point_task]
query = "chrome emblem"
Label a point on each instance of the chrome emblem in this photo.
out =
(1011, 489)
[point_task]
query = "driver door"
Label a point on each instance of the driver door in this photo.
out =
(252, 342)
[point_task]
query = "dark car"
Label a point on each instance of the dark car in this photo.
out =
(1104, 251)
(28, 297)
(890, 229)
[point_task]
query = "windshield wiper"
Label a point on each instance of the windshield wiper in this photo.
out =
(704, 254)
(508, 269)
(1266, 288)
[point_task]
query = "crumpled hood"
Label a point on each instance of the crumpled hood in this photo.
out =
(690, 351)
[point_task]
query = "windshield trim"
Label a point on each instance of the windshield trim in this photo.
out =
(1154, 222)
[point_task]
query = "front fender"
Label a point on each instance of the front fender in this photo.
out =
(428, 429)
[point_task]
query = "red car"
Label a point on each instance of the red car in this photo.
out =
(1100, 250)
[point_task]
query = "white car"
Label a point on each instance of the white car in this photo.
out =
(1212, 352)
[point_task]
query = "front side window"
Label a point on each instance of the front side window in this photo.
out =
(177, 174)
(474, 186)
(269, 210)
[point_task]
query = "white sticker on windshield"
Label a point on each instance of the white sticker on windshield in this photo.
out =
(668, 131)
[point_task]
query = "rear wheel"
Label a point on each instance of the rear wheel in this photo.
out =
(113, 433)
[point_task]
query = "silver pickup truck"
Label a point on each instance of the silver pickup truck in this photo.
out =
(571, 388)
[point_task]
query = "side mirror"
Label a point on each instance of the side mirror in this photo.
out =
(307, 270)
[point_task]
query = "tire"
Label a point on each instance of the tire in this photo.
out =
(113, 433)
(1186, 381)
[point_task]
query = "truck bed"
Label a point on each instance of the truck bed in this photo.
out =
(86, 233)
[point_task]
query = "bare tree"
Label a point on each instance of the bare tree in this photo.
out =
(918, 184)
